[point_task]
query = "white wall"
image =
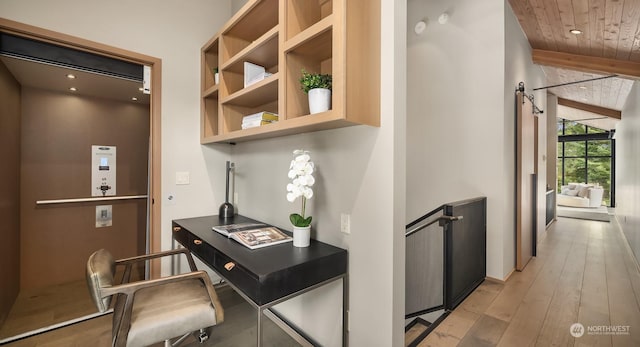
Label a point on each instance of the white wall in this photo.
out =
(360, 171)
(628, 170)
(520, 68)
(460, 113)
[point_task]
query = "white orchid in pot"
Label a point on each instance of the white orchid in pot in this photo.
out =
(301, 175)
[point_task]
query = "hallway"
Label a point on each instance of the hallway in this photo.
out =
(584, 273)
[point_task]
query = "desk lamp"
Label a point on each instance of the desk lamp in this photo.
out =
(226, 209)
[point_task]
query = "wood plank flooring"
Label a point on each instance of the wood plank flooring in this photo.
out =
(42, 307)
(584, 273)
(238, 330)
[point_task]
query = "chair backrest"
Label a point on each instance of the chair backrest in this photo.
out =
(100, 272)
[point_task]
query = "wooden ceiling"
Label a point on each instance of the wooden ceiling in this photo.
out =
(608, 45)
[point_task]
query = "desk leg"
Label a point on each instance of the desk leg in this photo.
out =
(345, 312)
(259, 328)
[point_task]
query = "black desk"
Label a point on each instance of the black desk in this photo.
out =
(264, 276)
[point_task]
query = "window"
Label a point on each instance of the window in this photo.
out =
(586, 154)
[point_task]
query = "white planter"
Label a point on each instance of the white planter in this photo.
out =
(216, 78)
(301, 236)
(319, 100)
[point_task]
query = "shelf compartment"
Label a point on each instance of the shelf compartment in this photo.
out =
(210, 91)
(209, 120)
(256, 94)
(263, 51)
(302, 14)
(249, 24)
(316, 122)
(315, 56)
(232, 115)
(209, 62)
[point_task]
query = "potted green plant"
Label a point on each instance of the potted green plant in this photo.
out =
(318, 87)
(216, 76)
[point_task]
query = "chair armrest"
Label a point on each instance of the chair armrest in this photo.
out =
(144, 257)
(129, 289)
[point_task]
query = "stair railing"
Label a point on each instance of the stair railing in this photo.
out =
(445, 264)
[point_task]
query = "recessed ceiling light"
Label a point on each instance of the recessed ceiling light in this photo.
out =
(134, 99)
(71, 76)
(575, 31)
(73, 89)
(582, 87)
(141, 89)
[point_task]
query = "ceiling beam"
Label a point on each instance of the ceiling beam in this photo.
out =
(590, 108)
(586, 63)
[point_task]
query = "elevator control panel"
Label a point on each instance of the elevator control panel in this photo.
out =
(103, 170)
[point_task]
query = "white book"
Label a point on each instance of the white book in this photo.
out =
(261, 115)
(228, 229)
(252, 73)
(253, 235)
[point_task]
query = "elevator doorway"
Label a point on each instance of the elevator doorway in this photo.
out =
(56, 220)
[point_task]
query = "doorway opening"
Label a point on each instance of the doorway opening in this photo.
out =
(54, 219)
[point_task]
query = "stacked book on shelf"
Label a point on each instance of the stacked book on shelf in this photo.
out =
(253, 235)
(258, 119)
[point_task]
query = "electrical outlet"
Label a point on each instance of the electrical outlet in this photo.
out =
(345, 223)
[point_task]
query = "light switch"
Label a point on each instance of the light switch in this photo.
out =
(182, 177)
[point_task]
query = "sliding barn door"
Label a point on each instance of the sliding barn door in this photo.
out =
(525, 180)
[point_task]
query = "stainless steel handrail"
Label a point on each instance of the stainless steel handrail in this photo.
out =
(94, 199)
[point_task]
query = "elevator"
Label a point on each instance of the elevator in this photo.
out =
(61, 111)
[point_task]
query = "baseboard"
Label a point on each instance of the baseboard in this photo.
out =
(626, 242)
(499, 281)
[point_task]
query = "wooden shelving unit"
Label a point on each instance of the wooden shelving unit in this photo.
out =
(337, 37)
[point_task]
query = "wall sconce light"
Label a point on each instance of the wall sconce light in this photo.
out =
(419, 27)
(444, 18)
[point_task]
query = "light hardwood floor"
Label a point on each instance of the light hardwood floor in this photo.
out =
(238, 330)
(42, 307)
(584, 273)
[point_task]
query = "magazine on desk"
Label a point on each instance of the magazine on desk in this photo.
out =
(253, 235)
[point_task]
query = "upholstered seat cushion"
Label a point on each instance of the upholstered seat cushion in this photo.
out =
(187, 299)
(572, 201)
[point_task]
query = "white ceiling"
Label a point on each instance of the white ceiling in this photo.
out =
(587, 118)
(53, 78)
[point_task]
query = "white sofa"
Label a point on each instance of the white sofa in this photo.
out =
(580, 195)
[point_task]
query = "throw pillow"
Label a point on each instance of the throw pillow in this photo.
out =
(583, 192)
(572, 192)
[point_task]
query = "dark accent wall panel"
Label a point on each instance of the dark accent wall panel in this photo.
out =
(9, 190)
(58, 131)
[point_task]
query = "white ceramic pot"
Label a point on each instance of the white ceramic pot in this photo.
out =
(301, 236)
(319, 100)
(216, 78)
